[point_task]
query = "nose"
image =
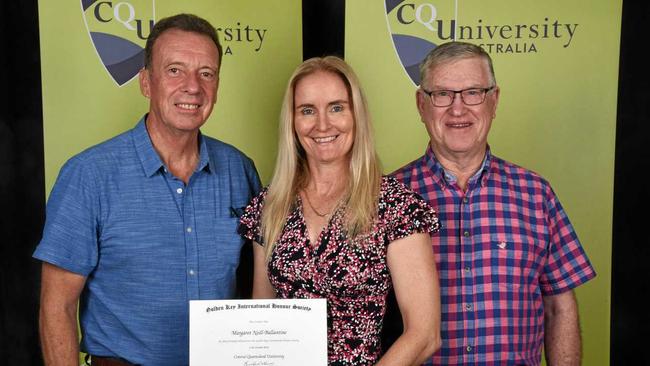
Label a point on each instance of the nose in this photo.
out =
(457, 106)
(322, 122)
(191, 83)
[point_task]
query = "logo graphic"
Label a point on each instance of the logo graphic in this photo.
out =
(417, 27)
(119, 32)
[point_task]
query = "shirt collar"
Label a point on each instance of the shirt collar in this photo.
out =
(445, 177)
(149, 158)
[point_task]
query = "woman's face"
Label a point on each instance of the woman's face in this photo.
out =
(323, 118)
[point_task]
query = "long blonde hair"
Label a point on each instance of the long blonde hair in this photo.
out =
(291, 169)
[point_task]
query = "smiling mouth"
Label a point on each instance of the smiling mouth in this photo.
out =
(324, 140)
(459, 125)
(188, 106)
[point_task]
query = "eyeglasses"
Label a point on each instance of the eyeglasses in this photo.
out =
(471, 96)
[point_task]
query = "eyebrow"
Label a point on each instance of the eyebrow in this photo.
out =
(339, 101)
(184, 64)
(304, 105)
(473, 86)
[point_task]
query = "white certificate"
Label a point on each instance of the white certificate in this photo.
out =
(274, 332)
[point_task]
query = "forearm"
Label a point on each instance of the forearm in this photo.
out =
(262, 288)
(60, 291)
(59, 337)
(410, 349)
(413, 271)
(562, 333)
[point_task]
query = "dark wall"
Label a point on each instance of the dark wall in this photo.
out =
(21, 182)
(323, 28)
(22, 174)
(631, 243)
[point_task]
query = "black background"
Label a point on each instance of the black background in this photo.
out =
(22, 175)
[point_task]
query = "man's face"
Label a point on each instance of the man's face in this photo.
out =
(459, 129)
(181, 81)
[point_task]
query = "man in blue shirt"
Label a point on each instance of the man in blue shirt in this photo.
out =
(140, 224)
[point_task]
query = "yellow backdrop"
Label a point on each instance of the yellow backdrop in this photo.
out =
(557, 65)
(83, 104)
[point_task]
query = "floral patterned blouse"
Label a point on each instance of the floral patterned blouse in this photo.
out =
(352, 275)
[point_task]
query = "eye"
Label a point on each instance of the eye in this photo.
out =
(337, 108)
(207, 75)
(441, 93)
(173, 70)
(307, 111)
(473, 92)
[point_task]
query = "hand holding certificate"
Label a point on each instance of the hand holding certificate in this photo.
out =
(273, 332)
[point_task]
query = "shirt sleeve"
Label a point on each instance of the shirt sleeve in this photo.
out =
(405, 212)
(567, 265)
(71, 227)
(251, 220)
(253, 177)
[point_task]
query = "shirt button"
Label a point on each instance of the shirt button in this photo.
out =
(467, 269)
(468, 307)
(466, 233)
(465, 199)
(469, 348)
(191, 272)
(179, 190)
(189, 229)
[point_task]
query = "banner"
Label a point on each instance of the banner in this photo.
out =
(91, 51)
(556, 63)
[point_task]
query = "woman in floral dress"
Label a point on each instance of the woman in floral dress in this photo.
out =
(331, 226)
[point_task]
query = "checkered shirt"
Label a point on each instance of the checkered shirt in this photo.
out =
(504, 244)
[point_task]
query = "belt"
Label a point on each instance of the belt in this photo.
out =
(108, 361)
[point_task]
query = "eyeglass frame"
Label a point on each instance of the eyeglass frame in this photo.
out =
(462, 99)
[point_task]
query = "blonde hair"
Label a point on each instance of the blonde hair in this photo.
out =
(291, 169)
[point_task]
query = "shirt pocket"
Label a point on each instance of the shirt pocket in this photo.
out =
(228, 244)
(511, 260)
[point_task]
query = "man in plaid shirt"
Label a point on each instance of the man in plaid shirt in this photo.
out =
(507, 255)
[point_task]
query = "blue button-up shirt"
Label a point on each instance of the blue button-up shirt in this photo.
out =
(146, 242)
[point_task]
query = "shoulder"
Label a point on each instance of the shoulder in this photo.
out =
(516, 175)
(103, 156)
(257, 202)
(390, 185)
(261, 195)
(403, 211)
(253, 211)
(224, 150)
(395, 193)
(406, 172)
(228, 158)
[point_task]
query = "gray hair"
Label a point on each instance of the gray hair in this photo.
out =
(453, 51)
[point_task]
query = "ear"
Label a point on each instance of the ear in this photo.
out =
(495, 94)
(421, 100)
(143, 77)
(216, 90)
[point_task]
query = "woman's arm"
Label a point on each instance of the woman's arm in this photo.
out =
(262, 288)
(413, 270)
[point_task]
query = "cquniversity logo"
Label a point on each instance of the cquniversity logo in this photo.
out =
(119, 31)
(417, 27)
